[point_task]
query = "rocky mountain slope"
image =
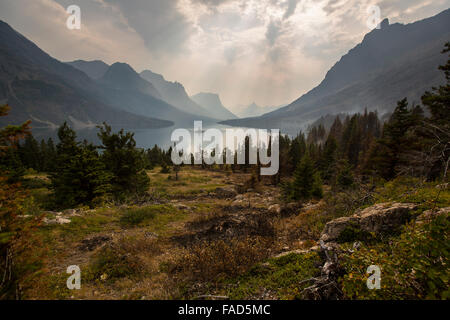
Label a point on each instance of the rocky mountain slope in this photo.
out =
(212, 103)
(391, 63)
(49, 92)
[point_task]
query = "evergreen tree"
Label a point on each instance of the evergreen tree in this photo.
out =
(304, 180)
(124, 161)
(79, 176)
(328, 158)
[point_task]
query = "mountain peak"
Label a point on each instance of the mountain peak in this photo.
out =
(122, 76)
(212, 103)
(95, 69)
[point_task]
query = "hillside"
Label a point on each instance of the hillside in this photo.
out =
(174, 94)
(94, 69)
(394, 62)
(212, 103)
(41, 88)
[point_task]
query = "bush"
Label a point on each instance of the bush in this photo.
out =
(112, 263)
(218, 260)
(413, 265)
(282, 276)
(136, 216)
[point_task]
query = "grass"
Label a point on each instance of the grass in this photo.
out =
(281, 277)
(425, 195)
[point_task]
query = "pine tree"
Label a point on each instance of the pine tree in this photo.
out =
(79, 175)
(302, 186)
(124, 161)
(328, 158)
(438, 101)
(344, 176)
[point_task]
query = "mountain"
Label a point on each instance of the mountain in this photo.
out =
(49, 92)
(175, 94)
(122, 76)
(254, 110)
(94, 69)
(212, 103)
(125, 89)
(390, 63)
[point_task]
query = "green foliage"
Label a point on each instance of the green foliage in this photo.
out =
(344, 175)
(125, 162)
(306, 184)
(113, 263)
(281, 276)
(413, 266)
(79, 175)
(353, 233)
(136, 216)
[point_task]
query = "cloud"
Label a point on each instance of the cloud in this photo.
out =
(159, 23)
(273, 32)
(267, 51)
(291, 6)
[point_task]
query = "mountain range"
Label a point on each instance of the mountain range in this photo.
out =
(391, 63)
(211, 102)
(49, 92)
(254, 110)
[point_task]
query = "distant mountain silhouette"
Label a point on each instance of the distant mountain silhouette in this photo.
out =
(175, 94)
(254, 110)
(212, 103)
(391, 63)
(49, 92)
(122, 76)
(94, 69)
(124, 88)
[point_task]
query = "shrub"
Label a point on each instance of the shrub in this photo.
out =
(112, 263)
(136, 216)
(218, 260)
(413, 265)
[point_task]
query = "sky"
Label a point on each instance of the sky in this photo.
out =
(264, 51)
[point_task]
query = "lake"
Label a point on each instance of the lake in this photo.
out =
(145, 138)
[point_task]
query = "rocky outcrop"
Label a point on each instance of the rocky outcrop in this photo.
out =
(431, 214)
(380, 218)
(225, 193)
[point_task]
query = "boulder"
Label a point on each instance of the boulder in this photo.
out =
(275, 208)
(385, 217)
(379, 218)
(225, 193)
(334, 228)
(431, 214)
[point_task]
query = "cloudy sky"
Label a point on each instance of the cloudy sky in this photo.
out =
(264, 51)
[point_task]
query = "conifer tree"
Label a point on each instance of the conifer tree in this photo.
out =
(124, 161)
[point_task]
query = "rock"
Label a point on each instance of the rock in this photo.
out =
(298, 251)
(61, 220)
(69, 212)
(379, 218)
(57, 220)
(92, 243)
(431, 214)
(239, 197)
(334, 228)
(443, 186)
(151, 235)
(182, 207)
(385, 217)
(225, 193)
(275, 208)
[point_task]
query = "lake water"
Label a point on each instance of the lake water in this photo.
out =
(145, 138)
